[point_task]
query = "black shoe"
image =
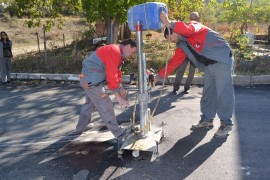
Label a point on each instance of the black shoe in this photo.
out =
(186, 91)
(4, 82)
(174, 92)
(9, 82)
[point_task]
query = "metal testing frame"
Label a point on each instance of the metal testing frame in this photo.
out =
(145, 138)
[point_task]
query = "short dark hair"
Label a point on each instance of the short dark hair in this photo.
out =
(130, 42)
(194, 16)
(166, 31)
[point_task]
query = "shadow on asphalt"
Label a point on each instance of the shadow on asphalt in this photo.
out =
(63, 159)
(189, 162)
(180, 161)
(165, 104)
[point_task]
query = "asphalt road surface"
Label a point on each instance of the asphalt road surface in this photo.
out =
(37, 139)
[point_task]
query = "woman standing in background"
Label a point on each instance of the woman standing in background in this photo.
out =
(5, 57)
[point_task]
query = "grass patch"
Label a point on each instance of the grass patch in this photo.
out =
(68, 60)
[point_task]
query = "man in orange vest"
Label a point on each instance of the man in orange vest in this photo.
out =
(212, 54)
(103, 67)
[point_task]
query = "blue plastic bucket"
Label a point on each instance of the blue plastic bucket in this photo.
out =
(147, 14)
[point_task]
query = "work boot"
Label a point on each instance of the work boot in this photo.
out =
(223, 130)
(88, 127)
(186, 91)
(174, 92)
(203, 124)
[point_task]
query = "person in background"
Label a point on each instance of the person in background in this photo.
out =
(103, 67)
(179, 76)
(212, 53)
(194, 16)
(151, 75)
(5, 58)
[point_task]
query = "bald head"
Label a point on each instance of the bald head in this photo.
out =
(194, 16)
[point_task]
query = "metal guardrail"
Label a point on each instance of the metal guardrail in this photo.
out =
(198, 80)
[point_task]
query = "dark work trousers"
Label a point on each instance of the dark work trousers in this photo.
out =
(180, 73)
(5, 69)
(97, 98)
(218, 92)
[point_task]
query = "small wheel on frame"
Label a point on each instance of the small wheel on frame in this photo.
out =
(120, 151)
(135, 153)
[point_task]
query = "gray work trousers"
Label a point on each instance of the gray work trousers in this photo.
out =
(96, 98)
(218, 93)
(5, 69)
(180, 73)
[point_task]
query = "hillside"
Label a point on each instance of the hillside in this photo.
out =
(25, 39)
(27, 58)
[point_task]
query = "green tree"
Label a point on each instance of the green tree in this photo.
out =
(112, 12)
(51, 10)
(241, 14)
(180, 9)
(209, 13)
(262, 11)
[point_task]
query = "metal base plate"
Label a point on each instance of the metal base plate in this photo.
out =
(148, 143)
